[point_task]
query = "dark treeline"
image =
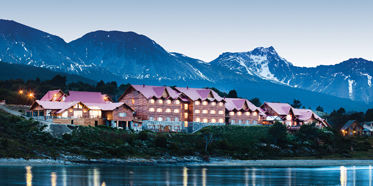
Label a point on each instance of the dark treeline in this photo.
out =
(18, 91)
(340, 117)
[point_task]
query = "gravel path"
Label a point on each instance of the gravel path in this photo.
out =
(10, 111)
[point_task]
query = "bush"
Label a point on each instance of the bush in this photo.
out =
(161, 140)
(4, 142)
(67, 137)
(142, 136)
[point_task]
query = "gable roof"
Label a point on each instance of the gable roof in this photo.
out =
(153, 91)
(50, 94)
(87, 97)
(281, 108)
(348, 124)
(238, 104)
(199, 93)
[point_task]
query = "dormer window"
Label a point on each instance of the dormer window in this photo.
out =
(197, 103)
(151, 101)
(204, 103)
(247, 113)
(177, 102)
(220, 103)
(168, 101)
(160, 101)
(255, 113)
(239, 113)
(231, 113)
(213, 103)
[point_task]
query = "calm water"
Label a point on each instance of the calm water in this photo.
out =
(178, 175)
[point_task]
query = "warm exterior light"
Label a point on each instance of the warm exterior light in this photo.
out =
(31, 94)
(55, 95)
(21, 91)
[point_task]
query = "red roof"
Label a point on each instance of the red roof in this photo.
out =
(50, 94)
(280, 108)
(88, 97)
(196, 93)
(155, 91)
(238, 103)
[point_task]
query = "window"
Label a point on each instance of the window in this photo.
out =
(213, 103)
(220, 103)
(92, 113)
(212, 112)
(160, 119)
(351, 127)
(221, 112)
(159, 110)
(232, 121)
(255, 122)
(168, 119)
(197, 111)
(168, 101)
(255, 114)
(197, 103)
(205, 120)
(247, 122)
(168, 110)
(231, 113)
(160, 101)
(239, 113)
(177, 102)
(151, 118)
(288, 117)
(176, 111)
(247, 113)
(239, 121)
(151, 109)
(176, 119)
(186, 115)
(205, 111)
(213, 120)
(198, 119)
(122, 114)
(151, 101)
(133, 101)
(185, 106)
(204, 103)
(185, 124)
(64, 114)
(221, 120)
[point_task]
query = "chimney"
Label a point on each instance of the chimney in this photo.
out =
(224, 97)
(207, 88)
(143, 85)
(187, 87)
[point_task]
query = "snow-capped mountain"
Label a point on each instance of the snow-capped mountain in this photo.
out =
(350, 79)
(25, 45)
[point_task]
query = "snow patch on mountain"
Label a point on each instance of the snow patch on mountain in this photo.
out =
(350, 88)
(369, 77)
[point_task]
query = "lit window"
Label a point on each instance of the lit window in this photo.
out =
(231, 113)
(133, 101)
(160, 101)
(288, 117)
(255, 114)
(205, 111)
(205, 120)
(239, 113)
(176, 111)
(168, 101)
(185, 106)
(160, 119)
(177, 102)
(159, 110)
(212, 112)
(220, 103)
(151, 101)
(197, 102)
(186, 115)
(204, 103)
(198, 119)
(213, 120)
(213, 103)
(151, 109)
(185, 124)
(197, 111)
(168, 110)
(221, 120)
(221, 112)
(247, 113)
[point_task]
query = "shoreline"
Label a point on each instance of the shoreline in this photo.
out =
(184, 162)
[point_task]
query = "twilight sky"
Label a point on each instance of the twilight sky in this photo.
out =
(306, 33)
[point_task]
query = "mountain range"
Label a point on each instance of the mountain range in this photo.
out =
(127, 57)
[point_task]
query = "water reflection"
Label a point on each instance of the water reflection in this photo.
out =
(343, 176)
(28, 176)
(174, 175)
(53, 179)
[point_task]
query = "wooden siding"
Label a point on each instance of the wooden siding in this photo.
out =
(209, 107)
(243, 117)
(137, 101)
(122, 109)
(81, 121)
(355, 127)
